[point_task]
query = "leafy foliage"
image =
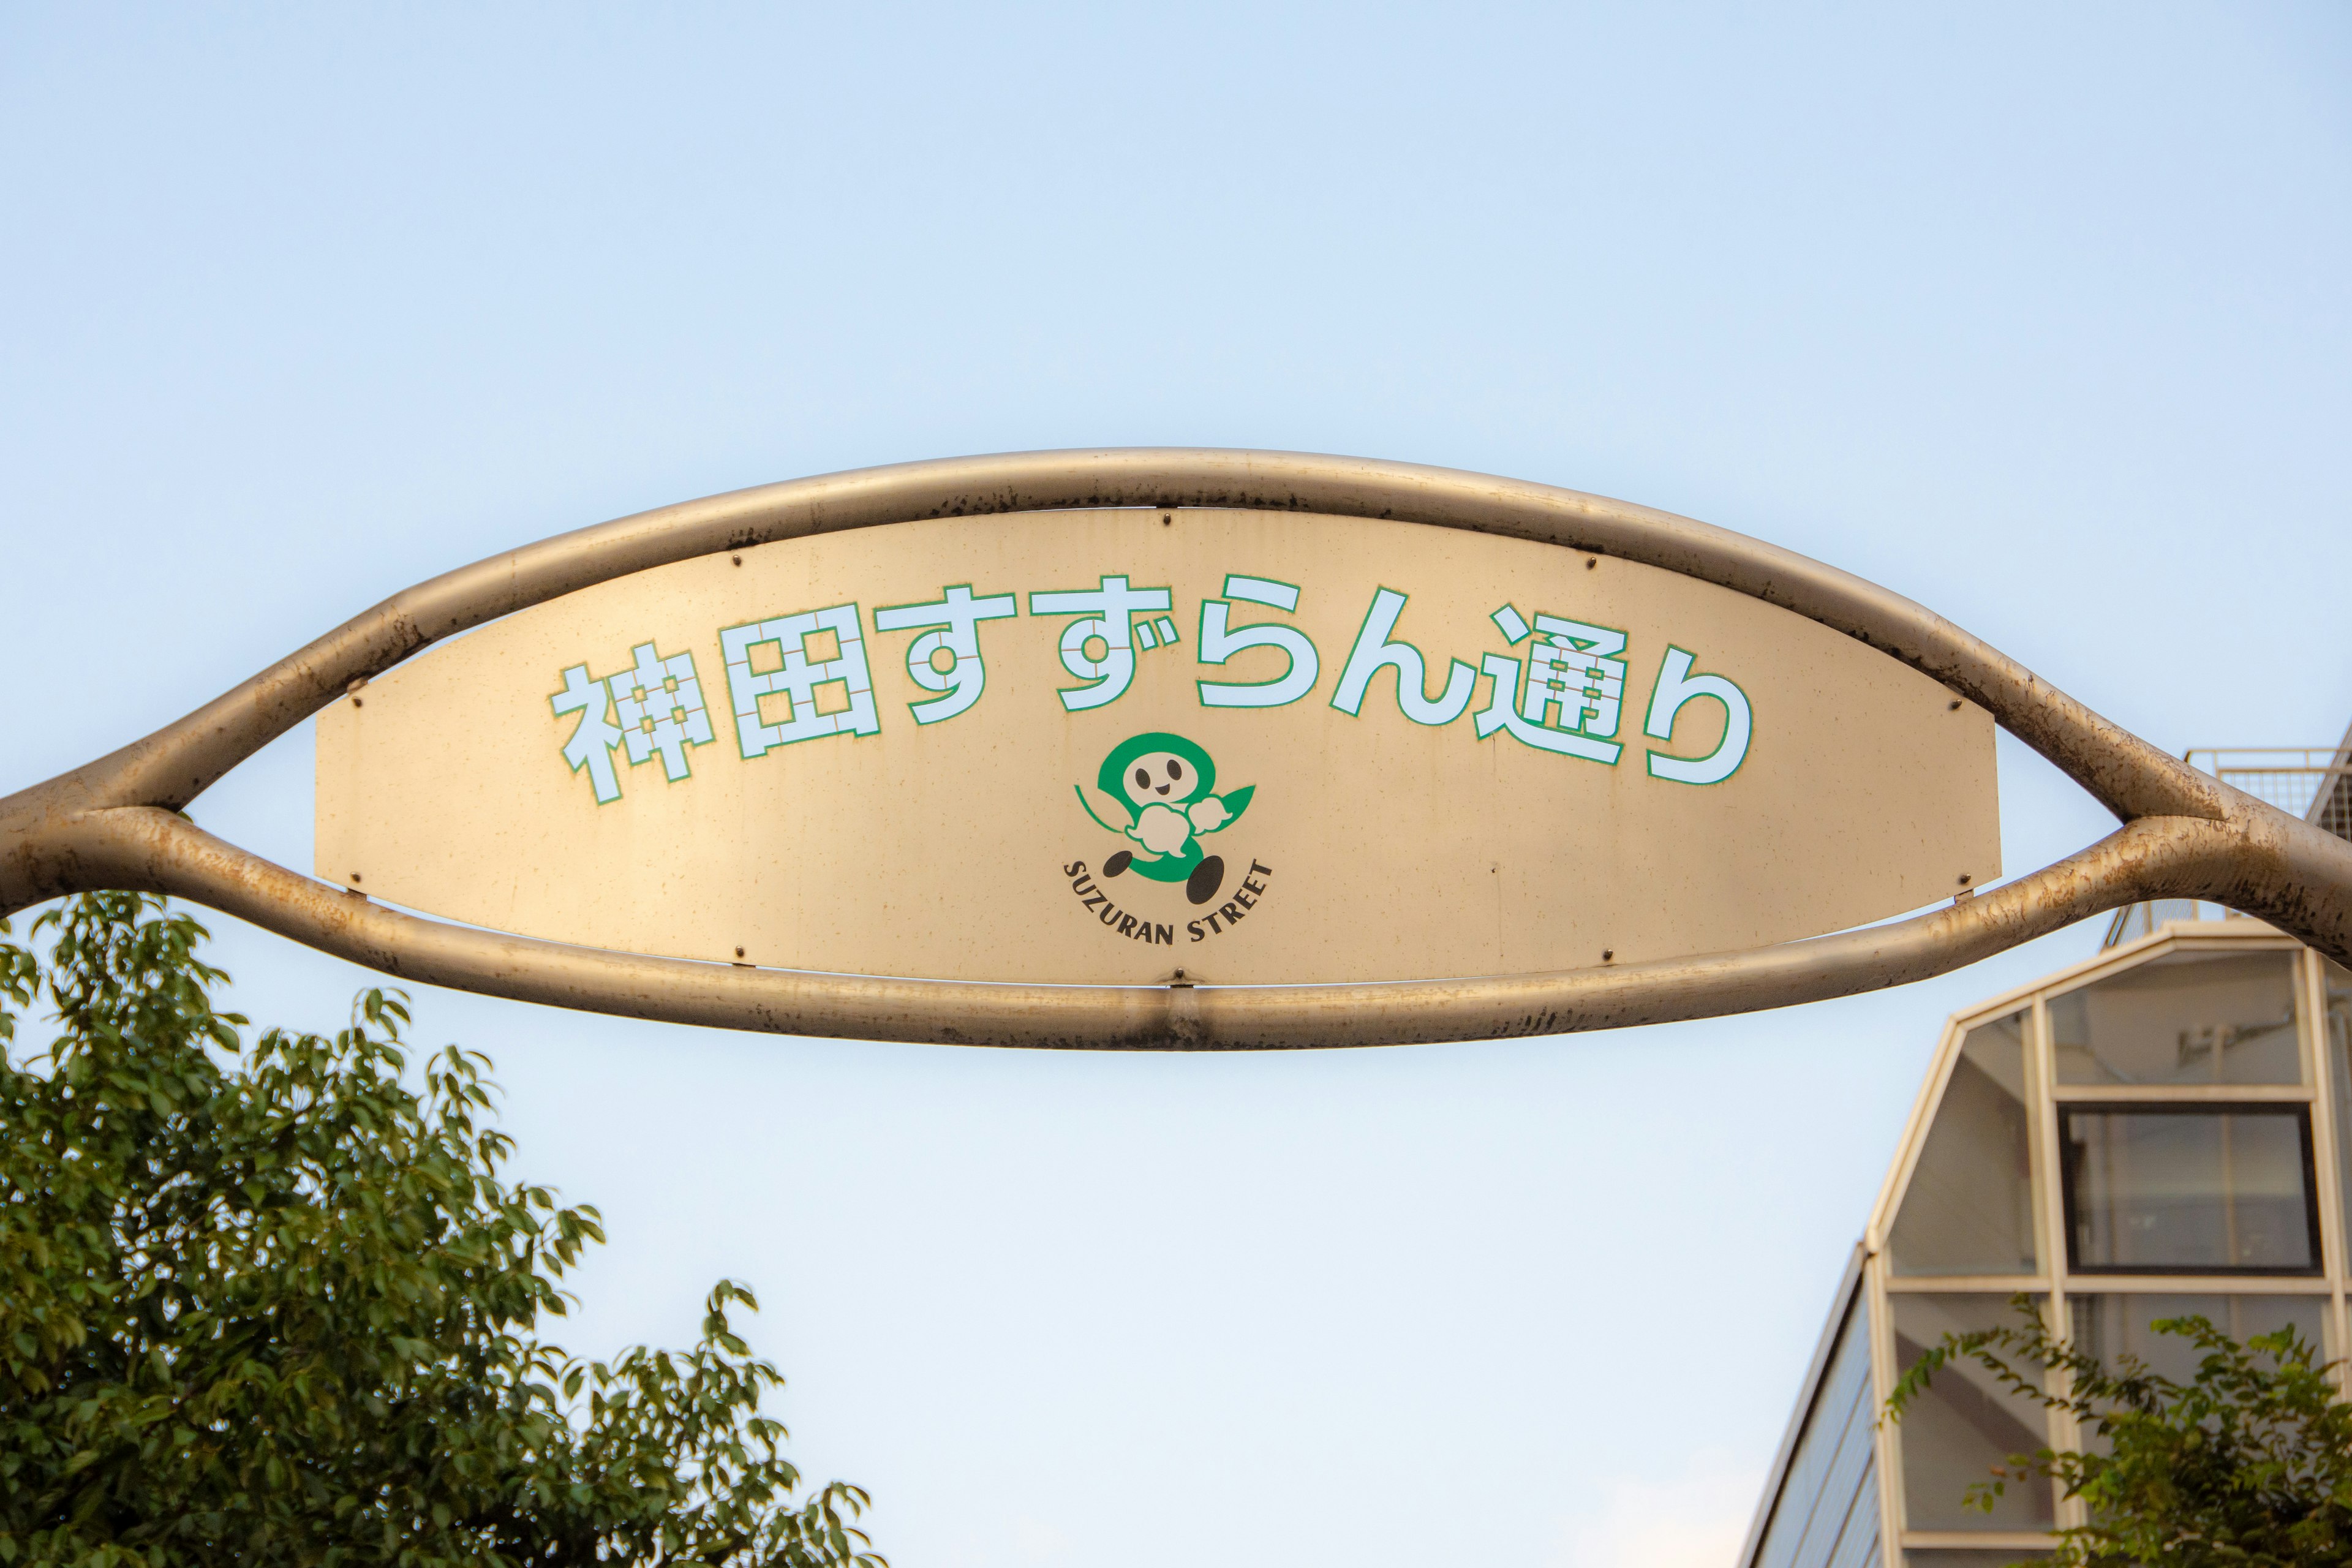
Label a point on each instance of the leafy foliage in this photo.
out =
(2248, 1463)
(267, 1304)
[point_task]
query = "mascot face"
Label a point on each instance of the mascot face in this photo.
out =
(1156, 769)
(1159, 778)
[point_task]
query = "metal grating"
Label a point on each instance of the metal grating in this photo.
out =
(2305, 782)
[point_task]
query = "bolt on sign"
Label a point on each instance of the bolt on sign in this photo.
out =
(1124, 746)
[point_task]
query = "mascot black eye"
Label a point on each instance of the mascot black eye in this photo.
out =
(1175, 769)
(1143, 776)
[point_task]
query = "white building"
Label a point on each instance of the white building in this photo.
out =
(2164, 1129)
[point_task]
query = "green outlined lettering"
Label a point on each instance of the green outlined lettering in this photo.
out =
(1375, 647)
(957, 616)
(1108, 614)
(1219, 641)
(1676, 684)
(1570, 701)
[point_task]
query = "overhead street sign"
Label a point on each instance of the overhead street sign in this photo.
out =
(1104, 746)
(1161, 749)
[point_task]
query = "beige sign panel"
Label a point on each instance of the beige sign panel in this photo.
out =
(1117, 746)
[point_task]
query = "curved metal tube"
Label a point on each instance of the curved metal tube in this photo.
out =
(113, 823)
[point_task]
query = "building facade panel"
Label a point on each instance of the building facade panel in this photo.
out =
(1826, 1514)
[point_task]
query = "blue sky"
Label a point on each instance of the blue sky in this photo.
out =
(2035, 314)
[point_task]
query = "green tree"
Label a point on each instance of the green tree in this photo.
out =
(2248, 1465)
(265, 1303)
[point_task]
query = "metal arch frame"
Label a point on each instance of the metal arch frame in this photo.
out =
(117, 822)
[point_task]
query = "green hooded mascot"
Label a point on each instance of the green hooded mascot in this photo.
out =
(1167, 784)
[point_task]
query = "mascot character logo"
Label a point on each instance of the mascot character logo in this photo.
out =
(1164, 787)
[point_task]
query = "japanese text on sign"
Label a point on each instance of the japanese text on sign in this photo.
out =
(804, 675)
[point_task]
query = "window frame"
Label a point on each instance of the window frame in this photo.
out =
(2298, 1108)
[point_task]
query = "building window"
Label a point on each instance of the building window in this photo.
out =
(2188, 1018)
(2108, 1327)
(1969, 1206)
(2190, 1189)
(1964, 1423)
